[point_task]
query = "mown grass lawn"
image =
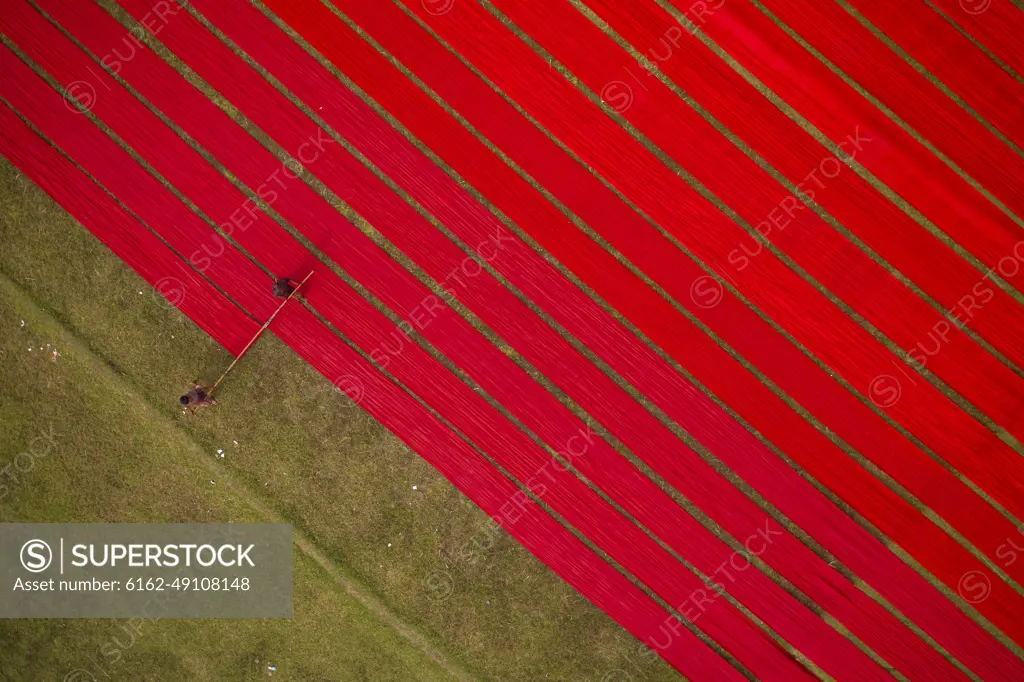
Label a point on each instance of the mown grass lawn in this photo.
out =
(370, 515)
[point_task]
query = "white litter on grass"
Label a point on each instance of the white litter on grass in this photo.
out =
(389, 544)
(23, 323)
(235, 442)
(55, 355)
(414, 487)
(212, 483)
(272, 668)
(140, 293)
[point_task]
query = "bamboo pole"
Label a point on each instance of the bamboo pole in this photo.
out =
(259, 333)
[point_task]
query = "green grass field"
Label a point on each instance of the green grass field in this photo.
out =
(397, 575)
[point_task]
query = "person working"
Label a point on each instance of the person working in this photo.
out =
(198, 397)
(284, 287)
